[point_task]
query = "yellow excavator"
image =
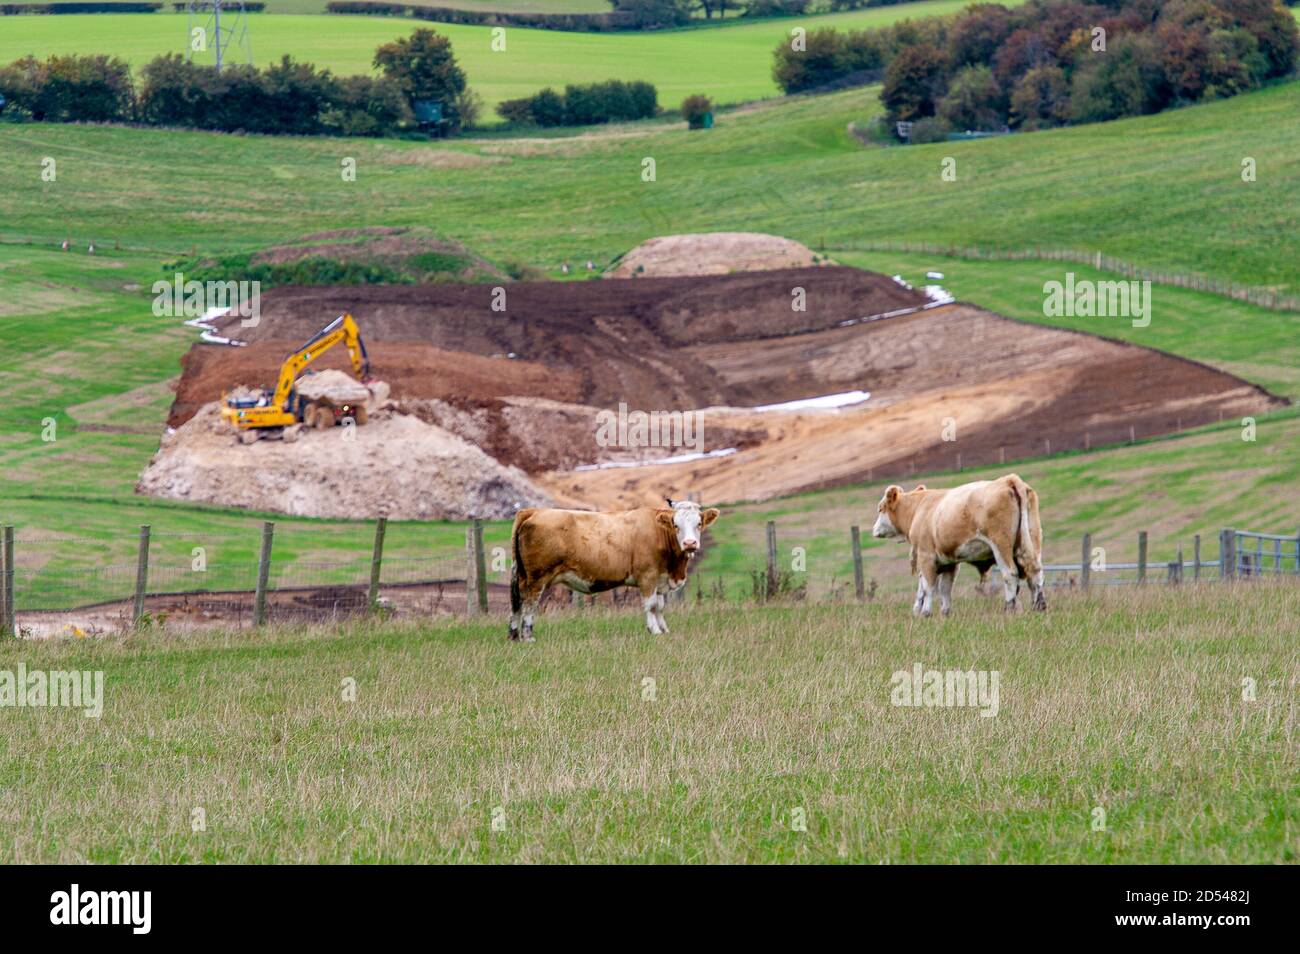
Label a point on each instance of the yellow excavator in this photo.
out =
(284, 412)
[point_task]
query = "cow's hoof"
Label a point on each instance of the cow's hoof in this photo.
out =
(1040, 603)
(1011, 607)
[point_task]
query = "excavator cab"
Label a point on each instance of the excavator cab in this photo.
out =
(282, 412)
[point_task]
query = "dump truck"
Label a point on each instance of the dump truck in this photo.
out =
(283, 412)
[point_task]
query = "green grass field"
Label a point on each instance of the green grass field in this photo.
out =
(86, 351)
(599, 743)
(731, 62)
(1163, 191)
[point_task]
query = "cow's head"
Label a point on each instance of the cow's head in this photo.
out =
(686, 520)
(885, 510)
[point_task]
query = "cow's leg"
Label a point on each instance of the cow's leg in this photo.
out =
(946, 576)
(929, 580)
(529, 614)
(1010, 575)
(662, 601)
(659, 612)
(650, 601)
(1034, 577)
(920, 593)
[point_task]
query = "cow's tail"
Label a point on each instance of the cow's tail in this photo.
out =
(1021, 492)
(516, 603)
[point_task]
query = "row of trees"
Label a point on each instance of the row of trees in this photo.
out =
(286, 98)
(584, 105)
(1052, 62)
(653, 14)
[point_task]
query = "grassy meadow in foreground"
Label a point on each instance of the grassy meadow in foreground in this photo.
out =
(599, 743)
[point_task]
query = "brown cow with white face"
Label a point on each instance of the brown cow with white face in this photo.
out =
(981, 523)
(589, 552)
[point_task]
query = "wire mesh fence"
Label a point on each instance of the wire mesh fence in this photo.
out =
(1254, 294)
(309, 573)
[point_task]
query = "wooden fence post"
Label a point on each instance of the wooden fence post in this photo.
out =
(141, 575)
(471, 588)
(859, 587)
(480, 567)
(771, 558)
(1196, 558)
(1228, 553)
(376, 561)
(10, 611)
(1142, 556)
(263, 574)
(1085, 562)
(1297, 553)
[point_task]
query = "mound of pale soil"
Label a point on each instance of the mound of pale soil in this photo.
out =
(713, 253)
(336, 386)
(396, 466)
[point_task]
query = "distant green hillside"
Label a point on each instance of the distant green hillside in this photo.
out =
(731, 62)
(1164, 191)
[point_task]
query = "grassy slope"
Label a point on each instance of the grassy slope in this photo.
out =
(77, 337)
(731, 62)
(1164, 191)
(1129, 702)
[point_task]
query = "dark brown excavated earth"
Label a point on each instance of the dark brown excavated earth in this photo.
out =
(527, 381)
(589, 342)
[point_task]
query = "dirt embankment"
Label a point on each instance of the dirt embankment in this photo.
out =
(526, 387)
(413, 369)
(395, 466)
(713, 253)
(953, 387)
(624, 340)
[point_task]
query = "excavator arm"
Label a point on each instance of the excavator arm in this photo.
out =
(342, 328)
(279, 410)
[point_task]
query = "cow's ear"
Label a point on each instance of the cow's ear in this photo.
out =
(892, 493)
(918, 487)
(667, 518)
(708, 516)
